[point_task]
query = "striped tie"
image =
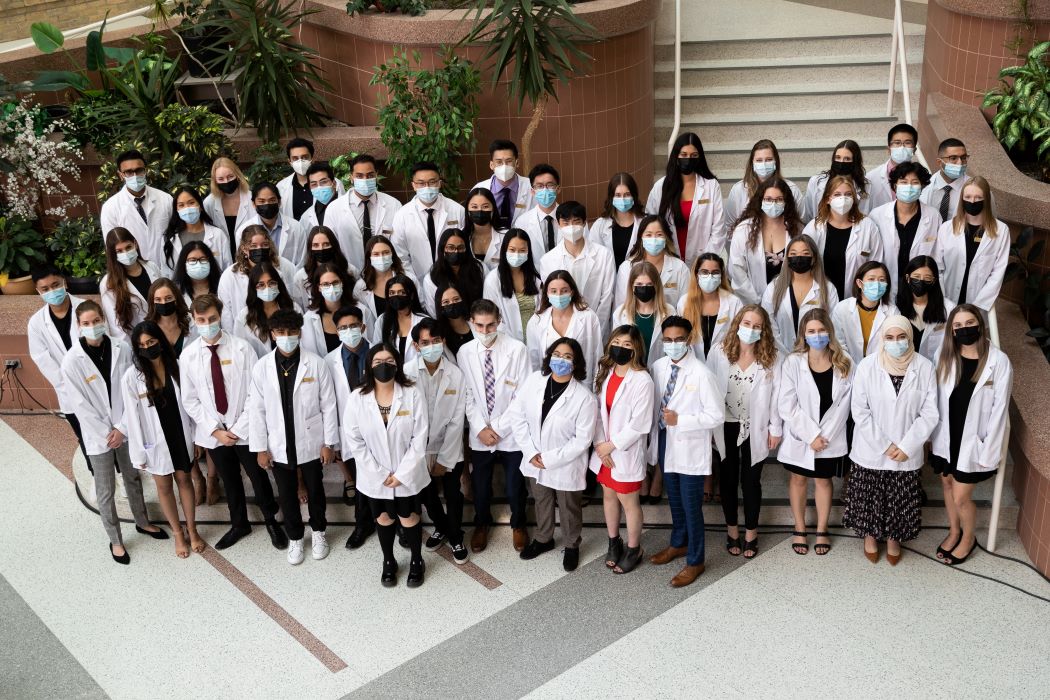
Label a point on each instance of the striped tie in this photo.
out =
(945, 199)
(668, 392)
(490, 382)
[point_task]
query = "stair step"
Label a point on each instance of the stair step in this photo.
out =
(792, 79)
(756, 101)
(859, 44)
(845, 60)
(826, 131)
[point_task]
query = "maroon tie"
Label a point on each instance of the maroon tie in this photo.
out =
(217, 382)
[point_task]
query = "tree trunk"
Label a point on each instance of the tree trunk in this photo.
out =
(526, 140)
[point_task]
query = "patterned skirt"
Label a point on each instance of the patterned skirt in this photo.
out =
(883, 504)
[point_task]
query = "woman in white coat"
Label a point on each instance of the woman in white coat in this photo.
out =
(563, 314)
(800, 286)
(403, 312)
(625, 412)
(617, 227)
(190, 222)
(125, 286)
(255, 247)
(331, 289)
(747, 368)
(710, 303)
(894, 405)
(908, 227)
(553, 417)
(267, 294)
(385, 427)
(160, 433)
(655, 246)
(974, 379)
(858, 319)
(815, 384)
(645, 307)
(759, 242)
(514, 286)
(847, 159)
(381, 264)
(763, 166)
(973, 248)
(289, 236)
(322, 246)
(229, 200)
(921, 301)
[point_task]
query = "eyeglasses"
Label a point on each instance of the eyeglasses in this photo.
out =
(456, 249)
(550, 186)
(436, 182)
(563, 355)
(325, 182)
(897, 143)
(347, 327)
(956, 159)
(778, 200)
(136, 171)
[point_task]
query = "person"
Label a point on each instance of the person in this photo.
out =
(381, 265)
(168, 310)
(366, 212)
(293, 426)
(442, 384)
(229, 202)
(759, 241)
(287, 234)
(901, 142)
(321, 247)
(92, 371)
(846, 238)
(563, 313)
(191, 223)
(625, 412)
(710, 304)
(645, 307)
(141, 210)
(417, 223)
(763, 165)
(689, 197)
(687, 409)
(294, 189)
(160, 432)
(538, 221)
(858, 319)
(655, 246)
(216, 371)
(267, 294)
(514, 286)
(747, 368)
(494, 366)
(553, 418)
(50, 336)
(456, 267)
(196, 271)
(512, 192)
(907, 226)
(481, 228)
(945, 188)
(403, 312)
(894, 404)
(256, 247)
(386, 429)
(800, 286)
(590, 265)
(453, 312)
(848, 160)
(815, 384)
(125, 286)
(921, 301)
(322, 181)
(974, 379)
(617, 227)
(973, 249)
(332, 288)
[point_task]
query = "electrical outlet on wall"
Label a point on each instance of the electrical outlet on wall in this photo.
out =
(13, 364)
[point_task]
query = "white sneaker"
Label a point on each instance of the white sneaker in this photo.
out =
(320, 545)
(295, 552)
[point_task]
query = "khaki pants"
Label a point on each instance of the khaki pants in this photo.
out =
(570, 508)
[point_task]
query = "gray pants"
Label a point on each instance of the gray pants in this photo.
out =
(104, 466)
(570, 507)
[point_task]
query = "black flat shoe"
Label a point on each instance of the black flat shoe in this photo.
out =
(615, 551)
(389, 578)
(571, 558)
(359, 536)
(278, 538)
(952, 560)
(415, 574)
(533, 549)
(232, 537)
(158, 535)
(944, 552)
(124, 558)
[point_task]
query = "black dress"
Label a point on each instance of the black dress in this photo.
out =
(621, 240)
(170, 416)
(823, 467)
(835, 242)
(958, 407)
(974, 235)
(551, 395)
(707, 329)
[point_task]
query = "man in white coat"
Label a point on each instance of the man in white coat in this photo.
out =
(293, 424)
(513, 192)
(362, 213)
(295, 193)
(143, 210)
(418, 225)
(541, 222)
(322, 180)
(901, 143)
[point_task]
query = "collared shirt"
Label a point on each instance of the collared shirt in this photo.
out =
(358, 211)
(276, 231)
(302, 198)
(354, 363)
(497, 187)
(287, 368)
(429, 382)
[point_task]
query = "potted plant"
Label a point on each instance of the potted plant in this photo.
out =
(78, 250)
(1022, 118)
(21, 248)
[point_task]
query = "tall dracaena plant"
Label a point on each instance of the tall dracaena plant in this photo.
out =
(534, 45)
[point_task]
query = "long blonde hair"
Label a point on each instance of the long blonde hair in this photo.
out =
(630, 305)
(606, 364)
(949, 364)
(782, 283)
(692, 307)
(840, 359)
(765, 348)
(824, 208)
(224, 162)
(988, 222)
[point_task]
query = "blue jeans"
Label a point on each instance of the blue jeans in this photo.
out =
(685, 492)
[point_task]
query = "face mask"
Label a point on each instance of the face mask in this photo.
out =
(710, 283)
(559, 301)
(896, 348)
(384, 373)
(486, 339)
(920, 287)
(571, 233)
(687, 166)
(968, 335)
(287, 343)
(323, 255)
(190, 215)
(764, 170)
(841, 205)
(365, 187)
(653, 246)
(748, 336)
(382, 263)
(516, 259)
(301, 166)
(504, 172)
(954, 170)
(128, 258)
(455, 310)
(620, 355)
(901, 154)
(800, 263)
(209, 331)
(350, 337)
(841, 168)
(268, 211)
(546, 197)
(773, 209)
(560, 366)
(93, 332)
(432, 353)
(973, 208)
(676, 350)
(198, 270)
(323, 194)
(165, 308)
(428, 195)
(135, 183)
(399, 303)
(456, 259)
(873, 291)
(645, 293)
(623, 204)
(332, 293)
(55, 296)
(818, 341)
(229, 187)
(150, 353)
(480, 218)
(268, 293)
(257, 255)
(908, 193)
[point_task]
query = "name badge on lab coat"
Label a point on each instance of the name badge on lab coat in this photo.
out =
(510, 383)
(90, 379)
(404, 412)
(308, 380)
(225, 362)
(450, 392)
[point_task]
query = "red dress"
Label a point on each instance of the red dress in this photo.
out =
(605, 477)
(683, 231)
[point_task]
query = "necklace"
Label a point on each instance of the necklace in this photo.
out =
(556, 389)
(286, 367)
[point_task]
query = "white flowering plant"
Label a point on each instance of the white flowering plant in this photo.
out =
(39, 161)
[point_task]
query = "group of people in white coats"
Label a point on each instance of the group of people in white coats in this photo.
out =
(279, 328)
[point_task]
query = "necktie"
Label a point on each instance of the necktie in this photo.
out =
(668, 392)
(352, 375)
(366, 222)
(504, 207)
(550, 232)
(945, 200)
(431, 234)
(319, 209)
(138, 206)
(490, 382)
(217, 382)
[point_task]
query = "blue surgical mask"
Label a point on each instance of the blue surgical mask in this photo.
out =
(93, 332)
(350, 337)
(560, 366)
(190, 215)
(135, 183)
(546, 197)
(516, 259)
(901, 154)
(55, 296)
(287, 343)
(908, 193)
(818, 341)
(198, 270)
(676, 350)
(896, 348)
(268, 293)
(748, 336)
(873, 291)
(764, 170)
(209, 331)
(365, 187)
(954, 170)
(559, 301)
(653, 246)
(323, 194)
(332, 292)
(432, 353)
(623, 204)
(773, 209)
(428, 195)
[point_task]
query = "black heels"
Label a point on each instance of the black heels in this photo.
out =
(124, 558)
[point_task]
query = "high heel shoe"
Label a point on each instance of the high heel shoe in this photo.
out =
(124, 558)
(893, 559)
(873, 557)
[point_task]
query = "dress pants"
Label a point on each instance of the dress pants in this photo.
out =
(570, 507)
(288, 494)
(104, 467)
(685, 493)
(450, 522)
(482, 462)
(736, 469)
(228, 461)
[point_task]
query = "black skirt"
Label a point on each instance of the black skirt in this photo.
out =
(883, 504)
(823, 468)
(943, 467)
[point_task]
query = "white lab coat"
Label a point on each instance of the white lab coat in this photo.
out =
(763, 409)
(233, 291)
(594, 272)
(879, 190)
(865, 245)
(706, 227)
(747, 266)
(601, 232)
(410, 231)
(884, 417)
(738, 198)
(924, 243)
(216, 241)
(98, 411)
(410, 352)
(846, 320)
(700, 409)
(447, 410)
(510, 314)
(784, 329)
(146, 444)
(815, 193)
(933, 336)
(284, 190)
(933, 192)
(259, 346)
(562, 441)
(533, 222)
(292, 243)
(729, 306)
(583, 326)
(236, 358)
(626, 426)
(47, 349)
(119, 210)
(245, 211)
(334, 360)
(799, 408)
(656, 344)
(510, 364)
(674, 277)
(342, 217)
(986, 271)
(526, 198)
(313, 330)
(109, 302)
(314, 406)
(985, 426)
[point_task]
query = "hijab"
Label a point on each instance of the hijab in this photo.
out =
(896, 366)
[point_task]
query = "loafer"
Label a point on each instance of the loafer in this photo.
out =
(521, 538)
(571, 558)
(687, 575)
(278, 538)
(480, 539)
(158, 535)
(124, 558)
(667, 555)
(534, 549)
(232, 537)
(389, 577)
(359, 536)
(415, 574)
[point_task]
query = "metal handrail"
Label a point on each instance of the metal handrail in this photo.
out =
(677, 75)
(1000, 474)
(897, 52)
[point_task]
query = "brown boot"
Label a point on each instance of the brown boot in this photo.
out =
(687, 575)
(521, 538)
(213, 490)
(667, 555)
(480, 539)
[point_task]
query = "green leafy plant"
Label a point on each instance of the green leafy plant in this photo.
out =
(408, 7)
(343, 170)
(428, 115)
(269, 164)
(1025, 254)
(77, 248)
(21, 247)
(1022, 101)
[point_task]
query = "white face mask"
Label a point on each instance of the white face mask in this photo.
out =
(676, 351)
(287, 343)
(901, 154)
(765, 168)
(135, 183)
(516, 259)
(93, 332)
(128, 258)
(350, 337)
(841, 205)
(504, 172)
(301, 166)
(382, 263)
(486, 339)
(428, 195)
(571, 233)
(709, 283)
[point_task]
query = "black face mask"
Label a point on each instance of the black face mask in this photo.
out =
(688, 166)
(257, 255)
(398, 303)
(973, 208)
(384, 372)
(967, 335)
(800, 263)
(150, 353)
(481, 218)
(455, 310)
(841, 168)
(620, 355)
(268, 211)
(920, 287)
(229, 187)
(324, 255)
(644, 293)
(456, 258)
(166, 308)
